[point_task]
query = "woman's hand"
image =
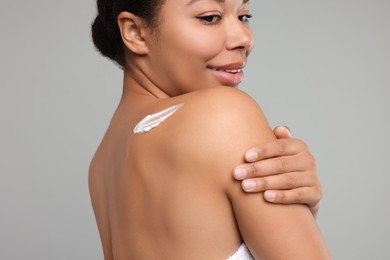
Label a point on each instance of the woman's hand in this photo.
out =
(284, 169)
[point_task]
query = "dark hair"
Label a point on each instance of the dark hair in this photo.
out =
(105, 31)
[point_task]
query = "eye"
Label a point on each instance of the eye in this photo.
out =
(245, 18)
(210, 19)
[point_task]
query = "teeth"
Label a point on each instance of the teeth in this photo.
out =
(233, 71)
(228, 71)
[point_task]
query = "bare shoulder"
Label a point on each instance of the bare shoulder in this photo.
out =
(215, 127)
(224, 108)
(224, 99)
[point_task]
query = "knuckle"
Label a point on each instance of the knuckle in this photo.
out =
(253, 170)
(302, 145)
(290, 182)
(283, 147)
(313, 161)
(282, 162)
(309, 164)
(296, 144)
(262, 184)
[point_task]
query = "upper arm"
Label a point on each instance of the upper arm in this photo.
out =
(225, 124)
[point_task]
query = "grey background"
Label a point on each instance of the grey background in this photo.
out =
(321, 67)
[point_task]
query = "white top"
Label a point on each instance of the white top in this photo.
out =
(242, 253)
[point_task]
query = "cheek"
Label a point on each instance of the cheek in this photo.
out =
(205, 43)
(199, 43)
(181, 54)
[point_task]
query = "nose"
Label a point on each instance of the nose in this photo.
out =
(240, 36)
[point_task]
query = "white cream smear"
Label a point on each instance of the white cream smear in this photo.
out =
(153, 120)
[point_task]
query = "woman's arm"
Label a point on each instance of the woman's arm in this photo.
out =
(284, 170)
(234, 122)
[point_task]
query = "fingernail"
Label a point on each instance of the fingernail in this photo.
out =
(270, 195)
(240, 173)
(249, 185)
(251, 156)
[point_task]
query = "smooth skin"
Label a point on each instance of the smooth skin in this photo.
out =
(169, 193)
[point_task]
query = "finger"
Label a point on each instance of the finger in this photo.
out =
(282, 132)
(304, 195)
(287, 181)
(296, 163)
(280, 147)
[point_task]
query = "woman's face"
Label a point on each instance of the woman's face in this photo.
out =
(199, 44)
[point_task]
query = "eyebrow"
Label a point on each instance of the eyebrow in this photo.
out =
(219, 1)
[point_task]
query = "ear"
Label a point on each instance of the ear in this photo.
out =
(132, 30)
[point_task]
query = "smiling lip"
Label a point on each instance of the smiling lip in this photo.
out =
(230, 75)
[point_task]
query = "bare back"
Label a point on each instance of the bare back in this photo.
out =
(149, 204)
(169, 193)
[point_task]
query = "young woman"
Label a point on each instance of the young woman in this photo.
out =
(161, 180)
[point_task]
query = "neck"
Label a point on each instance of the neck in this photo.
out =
(137, 82)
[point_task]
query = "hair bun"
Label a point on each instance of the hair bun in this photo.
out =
(104, 38)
